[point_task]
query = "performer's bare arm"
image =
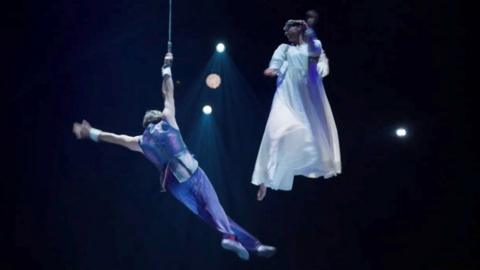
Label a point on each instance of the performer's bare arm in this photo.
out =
(84, 130)
(168, 91)
(269, 72)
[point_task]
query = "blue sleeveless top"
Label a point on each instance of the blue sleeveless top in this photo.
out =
(163, 145)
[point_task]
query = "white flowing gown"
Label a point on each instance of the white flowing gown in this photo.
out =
(300, 137)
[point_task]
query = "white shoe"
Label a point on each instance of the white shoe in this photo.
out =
(266, 251)
(236, 247)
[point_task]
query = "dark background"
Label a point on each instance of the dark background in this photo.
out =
(399, 203)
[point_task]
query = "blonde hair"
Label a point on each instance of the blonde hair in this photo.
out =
(291, 23)
(152, 117)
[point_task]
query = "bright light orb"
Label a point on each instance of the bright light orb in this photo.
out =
(207, 109)
(401, 132)
(213, 81)
(220, 47)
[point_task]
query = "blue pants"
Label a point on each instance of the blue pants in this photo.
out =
(198, 195)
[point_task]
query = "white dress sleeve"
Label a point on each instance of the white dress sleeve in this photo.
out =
(322, 67)
(279, 57)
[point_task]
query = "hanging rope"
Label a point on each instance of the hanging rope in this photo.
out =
(170, 27)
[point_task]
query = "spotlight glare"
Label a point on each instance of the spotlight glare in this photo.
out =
(207, 109)
(220, 47)
(213, 81)
(401, 132)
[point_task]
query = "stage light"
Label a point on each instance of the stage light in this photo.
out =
(220, 47)
(213, 81)
(207, 109)
(401, 132)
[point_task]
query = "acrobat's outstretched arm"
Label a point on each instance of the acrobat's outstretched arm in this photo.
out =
(84, 130)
